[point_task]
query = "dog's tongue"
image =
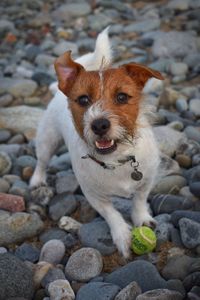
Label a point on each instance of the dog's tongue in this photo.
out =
(102, 144)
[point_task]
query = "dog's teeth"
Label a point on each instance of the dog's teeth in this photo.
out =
(104, 144)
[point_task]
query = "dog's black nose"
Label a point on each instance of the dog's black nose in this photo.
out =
(100, 126)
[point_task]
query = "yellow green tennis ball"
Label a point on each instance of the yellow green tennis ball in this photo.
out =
(143, 240)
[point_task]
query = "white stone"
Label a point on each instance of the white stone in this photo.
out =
(59, 289)
(69, 224)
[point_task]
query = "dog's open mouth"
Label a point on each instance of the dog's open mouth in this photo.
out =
(105, 146)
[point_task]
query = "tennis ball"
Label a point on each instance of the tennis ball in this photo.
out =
(143, 240)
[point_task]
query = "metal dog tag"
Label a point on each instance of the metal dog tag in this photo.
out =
(136, 175)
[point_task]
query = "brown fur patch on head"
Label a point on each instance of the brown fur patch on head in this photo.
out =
(129, 79)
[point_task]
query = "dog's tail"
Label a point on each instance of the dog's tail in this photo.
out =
(100, 58)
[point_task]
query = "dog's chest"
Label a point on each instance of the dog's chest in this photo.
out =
(116, 182)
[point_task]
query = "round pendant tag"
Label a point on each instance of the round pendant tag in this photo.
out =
(136, 175)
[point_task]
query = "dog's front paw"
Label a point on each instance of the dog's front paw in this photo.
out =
(122, 238)
(140, 219)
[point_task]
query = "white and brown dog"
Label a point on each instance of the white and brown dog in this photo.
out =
(97, 111)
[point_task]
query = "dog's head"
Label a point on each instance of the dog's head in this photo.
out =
(104, 104)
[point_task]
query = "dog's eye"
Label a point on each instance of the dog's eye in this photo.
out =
(83, 100)
(122, 98)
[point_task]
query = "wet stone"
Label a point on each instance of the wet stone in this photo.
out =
(97, 291)
(97, 235)
(27, 252)
(190, 233)
(143, 272)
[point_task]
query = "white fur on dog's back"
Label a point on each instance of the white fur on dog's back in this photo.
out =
(94, 60)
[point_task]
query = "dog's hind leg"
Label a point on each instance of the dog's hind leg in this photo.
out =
(48, 139)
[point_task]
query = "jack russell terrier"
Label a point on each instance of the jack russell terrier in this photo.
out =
(98, 112)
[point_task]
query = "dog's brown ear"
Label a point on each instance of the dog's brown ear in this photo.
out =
(141, 73)
(67, 70)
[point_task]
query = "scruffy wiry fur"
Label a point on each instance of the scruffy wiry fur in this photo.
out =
(66, 119)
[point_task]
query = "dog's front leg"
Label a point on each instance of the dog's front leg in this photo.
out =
(140, 211)
(120, 230)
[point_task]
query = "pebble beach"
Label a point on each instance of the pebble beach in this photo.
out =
(53, 244)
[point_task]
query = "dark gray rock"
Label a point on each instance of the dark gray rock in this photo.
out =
(178, 214)
(55, 233)
(97, 291)
(141, 271)
(27, 252)
(66, 182)
(4, 135)
(52, 275)
(191, 280)
(195, 188)
(62, 205)
(194, 293)
(169, 203)
(31, 52)
(178, 267)
(176, 285)
(4, 185)
(193, 174)
(15, 278)
(84, 264)
(42, 78)
(130, 292)
(176, 238)
(190, 233)
(163, 233)
(160, 294)
(97, 235)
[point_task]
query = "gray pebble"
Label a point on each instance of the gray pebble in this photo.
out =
(6, 100)
(15, 278)
(178, 267)
(3, 250)
(26, 161)
(84, 264)
(63, 46)
(194, 106)
(55, 233)
(52, 251)
(20, 188)
(163, 233)
(60, 289)
(97, 235)
(4, 135)
(190, 233)
(22, 87)
(62, 205)
(52, 275)
(195, 188)
(181, 104)
(178, 214)
(178, 69)
(130, 292)
(141, 271)
(192, 133)
(169, 203)
(42, 195)
(5, 163)
(18, 227)
(97, 291)
(4, 185)
(66, 182)
(27, 252)
(191, 280)
(160, 294)
(16, 139)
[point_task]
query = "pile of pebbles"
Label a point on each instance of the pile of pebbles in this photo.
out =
(53, 245)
